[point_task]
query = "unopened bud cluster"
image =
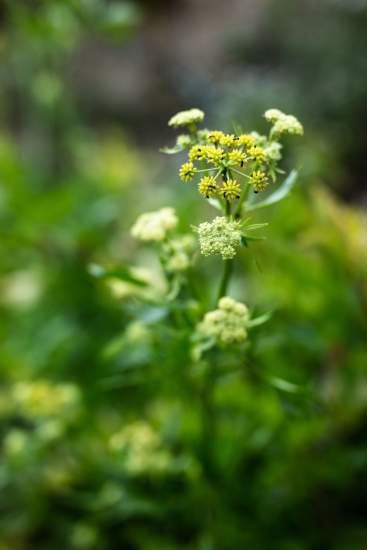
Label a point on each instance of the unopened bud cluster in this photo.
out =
(154, 226)
(227, 324)
(282, 123)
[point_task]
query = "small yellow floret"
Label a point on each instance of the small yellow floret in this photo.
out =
(227, 140)
(187, 171)
(215, 155)
(246, 140)
(258, 180)
(215, 136)
(231, 190)
(236, 157)
(207, 186)
(257, 153)
(197, 152)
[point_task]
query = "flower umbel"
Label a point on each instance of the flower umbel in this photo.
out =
(273, 115)
(185, 118)
(227, 156)
(227, 324)
(282, 123)
(154, 226)
(178, 253)
(221, 236)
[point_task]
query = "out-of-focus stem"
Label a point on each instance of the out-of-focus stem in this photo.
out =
(238, 210)
(228, 264)
(227, 272)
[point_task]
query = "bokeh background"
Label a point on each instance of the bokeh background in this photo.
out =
(99, 431)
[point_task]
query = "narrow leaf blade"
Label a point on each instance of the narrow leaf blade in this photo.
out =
(278, 195)
(122, 273)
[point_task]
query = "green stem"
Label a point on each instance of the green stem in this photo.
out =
(227, 272)
(238, 210)
(208, 444)
(228, 264)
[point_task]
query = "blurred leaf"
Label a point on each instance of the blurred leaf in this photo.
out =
(172, 150)
(216, 203)
(283, 385)
(122, 273)
(246, 238)
(254, 226)
(257, 321)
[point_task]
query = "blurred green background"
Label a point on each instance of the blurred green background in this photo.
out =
(100, 434)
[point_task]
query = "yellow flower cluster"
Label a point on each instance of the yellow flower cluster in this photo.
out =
(231, 161)
(220, 155)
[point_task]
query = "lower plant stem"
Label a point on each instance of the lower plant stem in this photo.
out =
(227, 272)
(238, 210)
(228, 264)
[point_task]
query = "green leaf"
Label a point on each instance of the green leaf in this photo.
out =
(246, 238)
(257, 321)
(122, 273)
(216, 203)
(254, 226)
(172, 150)
(278, 195)
(283, 385)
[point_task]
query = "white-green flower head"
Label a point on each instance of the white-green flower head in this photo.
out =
(273, 150)
(273, 115)
(179, 253)
(227, 324)
(282, 123)
(154, 226)
(221, 236)
(183, 140)
(289, 124)
(141, 447)
(185, 118)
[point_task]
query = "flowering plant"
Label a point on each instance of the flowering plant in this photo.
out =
(230, 171)
(235, 174)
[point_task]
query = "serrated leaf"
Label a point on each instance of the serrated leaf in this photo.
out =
(282, 191)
